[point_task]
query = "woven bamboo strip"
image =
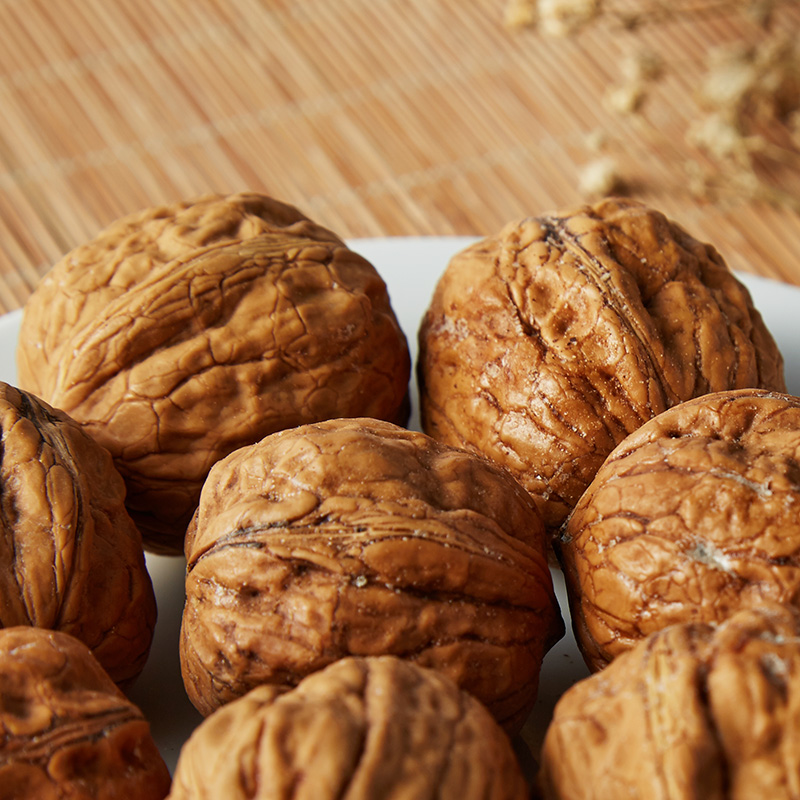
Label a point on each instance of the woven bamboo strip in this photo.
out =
(426, 117)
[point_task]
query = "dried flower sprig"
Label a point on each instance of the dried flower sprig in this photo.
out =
(748, 116)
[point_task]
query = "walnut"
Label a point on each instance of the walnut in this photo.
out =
(694, 712)
(691, 518)
(357, 537)
(363, 728)
(71, 554)
(66, 731)
(545, 345)
(182, 333)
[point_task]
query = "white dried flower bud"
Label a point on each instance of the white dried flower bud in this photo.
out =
(697, 180)
(643, 66)
(731, 76)
(563, 17)
(625, 99)
(719, 137)
(520, 13)
(596, 140)
(600, 178)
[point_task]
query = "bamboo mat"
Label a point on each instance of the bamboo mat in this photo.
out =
(374, 117)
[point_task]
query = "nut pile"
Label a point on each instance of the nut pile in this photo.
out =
(368, 607)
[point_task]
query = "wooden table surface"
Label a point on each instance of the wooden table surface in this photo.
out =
(374, 117)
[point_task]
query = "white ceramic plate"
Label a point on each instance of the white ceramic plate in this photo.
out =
(410, 267)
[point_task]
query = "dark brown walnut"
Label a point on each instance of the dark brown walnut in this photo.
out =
(545, 345)
(363, 728)
(357, 537)
(66, 731)
(182, 333)
(694, 712)
(72, 557)
(693, 516)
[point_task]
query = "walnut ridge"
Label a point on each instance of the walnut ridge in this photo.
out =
(358, 537)
(66, 731)
(545, 345)
(693, 712)
(182, 333)
(72, 557)
(363, 728)
(691, 518)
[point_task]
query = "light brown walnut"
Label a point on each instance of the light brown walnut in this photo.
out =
(363, 728)
(693, 712)
(692, 517)
(184, 332)
(545, 345)
(72, 557)
(358, 537)
(66, 731)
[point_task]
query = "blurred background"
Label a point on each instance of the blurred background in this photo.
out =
(400, 117)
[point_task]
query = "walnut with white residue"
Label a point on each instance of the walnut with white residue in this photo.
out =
(357, 537)
(546, 344)
(692, 517)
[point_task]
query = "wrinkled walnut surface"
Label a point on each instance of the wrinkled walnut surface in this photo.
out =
(182, 333)
(66, 731)
(72, 557)
(693, 516)
(545, 345)
(357, 537)
(363, 729)
(693, 712)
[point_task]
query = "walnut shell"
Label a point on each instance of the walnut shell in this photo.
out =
(72, 557)
(691, 518)
(182, 333)
(692, 712)
(545, 345)
(357, 537)
(66, 731)
(363, 728)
